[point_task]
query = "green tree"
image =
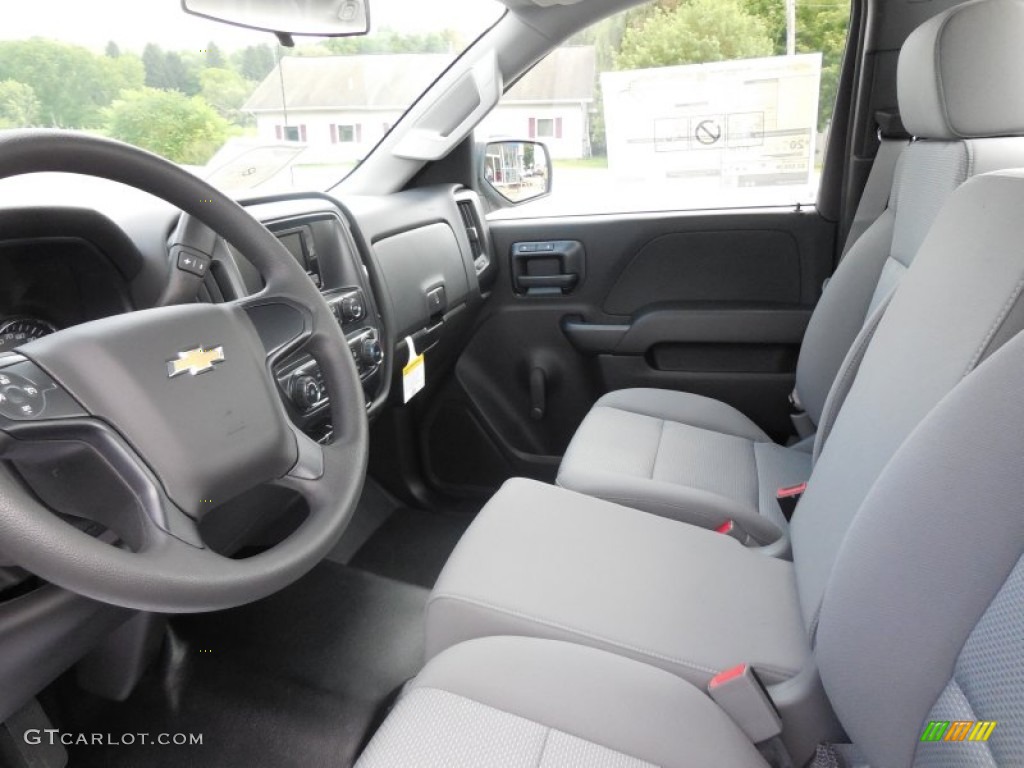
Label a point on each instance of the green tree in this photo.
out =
(696, 31)
(71, 83)
(254, 62)
(19, 107)
(819, 28)
(169, 71)
(773, 14)
(214, 59)
(226, 91)
(309, 51)
(824, 28)
(181, 128)
(113, 50)
(390, 41)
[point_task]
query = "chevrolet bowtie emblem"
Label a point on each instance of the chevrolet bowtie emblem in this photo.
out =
(195, 361)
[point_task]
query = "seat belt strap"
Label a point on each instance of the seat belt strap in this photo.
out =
(877, 190)
(788, 498)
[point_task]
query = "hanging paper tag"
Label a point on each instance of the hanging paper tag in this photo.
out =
(414, 375)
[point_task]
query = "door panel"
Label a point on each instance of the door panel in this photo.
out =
(711, 303)
(719, 266)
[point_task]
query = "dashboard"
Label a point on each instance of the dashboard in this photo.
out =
(405, 269)
(409, 270)
(73, 272)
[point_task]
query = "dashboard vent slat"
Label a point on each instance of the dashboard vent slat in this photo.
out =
(470, 220)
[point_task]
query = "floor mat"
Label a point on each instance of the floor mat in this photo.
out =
(412, 546)
(298, 679)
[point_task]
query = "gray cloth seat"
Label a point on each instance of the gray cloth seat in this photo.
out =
(545, 561)
(697, 460)
(922, 620)
(512, 701)
(683, 456)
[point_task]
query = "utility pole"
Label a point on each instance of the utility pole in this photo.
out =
(284, 92)
(790, 27)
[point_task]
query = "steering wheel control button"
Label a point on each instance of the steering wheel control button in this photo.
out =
(193, 263)
(27, 393)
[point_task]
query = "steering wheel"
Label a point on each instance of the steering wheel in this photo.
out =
(146, 421)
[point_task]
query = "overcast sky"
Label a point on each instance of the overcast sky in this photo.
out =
(133, 23)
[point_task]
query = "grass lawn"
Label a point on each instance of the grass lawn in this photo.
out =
(597, 163)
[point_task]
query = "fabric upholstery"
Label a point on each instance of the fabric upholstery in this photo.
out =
(546, 562)
(959, 73)
(958, 299)
(952, 91)
(924, 606)
(848, 374)
(513, 701)
(660, 451)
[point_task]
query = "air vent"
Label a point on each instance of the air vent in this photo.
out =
(474, 231)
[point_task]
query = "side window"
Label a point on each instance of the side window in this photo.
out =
(290, 132)
(683, 104)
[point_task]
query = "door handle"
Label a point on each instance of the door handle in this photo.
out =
(562, 282)
(548, 268)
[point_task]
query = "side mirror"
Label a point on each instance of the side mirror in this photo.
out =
(519, 171)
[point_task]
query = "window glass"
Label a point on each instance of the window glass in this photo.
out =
(683, 104)
(229, 104)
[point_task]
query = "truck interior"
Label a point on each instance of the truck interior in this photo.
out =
(585, 418)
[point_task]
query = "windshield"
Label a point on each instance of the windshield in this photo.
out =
(229, 104)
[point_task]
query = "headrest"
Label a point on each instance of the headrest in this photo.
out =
(961, 73)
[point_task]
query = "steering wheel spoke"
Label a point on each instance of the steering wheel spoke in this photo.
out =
(80, 467)
(282, 325)
(165, 413)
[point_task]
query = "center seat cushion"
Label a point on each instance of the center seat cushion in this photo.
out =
(664, 451)
(546, 562)
(515, 702)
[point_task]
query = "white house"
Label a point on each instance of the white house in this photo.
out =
(341, 106)
(552, 102)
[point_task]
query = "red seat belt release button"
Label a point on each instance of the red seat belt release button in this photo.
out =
(789, 497)
(729, 528)
(741, 695)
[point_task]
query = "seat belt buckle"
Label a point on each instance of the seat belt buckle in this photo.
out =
(741, 695)
(789, 497)
(731, 529)
(802, 424)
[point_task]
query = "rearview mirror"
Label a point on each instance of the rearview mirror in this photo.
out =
(322, 18)
(519, 171)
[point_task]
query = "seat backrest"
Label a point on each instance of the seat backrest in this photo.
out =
(954, 121)
(959, 302)
(923, 620)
